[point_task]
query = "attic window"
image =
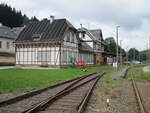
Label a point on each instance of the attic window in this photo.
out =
(36, 37)
(83, 35)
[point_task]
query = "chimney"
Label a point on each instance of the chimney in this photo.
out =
(81, 25)
(52, 18)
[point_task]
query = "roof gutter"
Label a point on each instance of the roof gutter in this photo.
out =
(52, 42)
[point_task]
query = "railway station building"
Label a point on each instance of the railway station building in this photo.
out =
(57, 43)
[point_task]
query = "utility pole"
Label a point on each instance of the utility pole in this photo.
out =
(121, 52)
(117, 27)
(149, 50)
(134, 54)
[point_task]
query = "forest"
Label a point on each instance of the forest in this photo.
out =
(13, 18)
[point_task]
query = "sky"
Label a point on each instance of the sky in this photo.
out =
(133, 16)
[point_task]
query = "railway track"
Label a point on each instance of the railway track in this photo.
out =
(138, 97)
(29, 102)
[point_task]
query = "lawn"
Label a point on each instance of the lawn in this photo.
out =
(19, 79)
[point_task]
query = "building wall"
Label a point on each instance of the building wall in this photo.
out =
(98, 47)
(56, 56)
(8, 59)
(69, 53)
(110, 60)
(87, 57)
(32, 55)
(99, 59)
(69, 56)
(85, 38)
(7, 45)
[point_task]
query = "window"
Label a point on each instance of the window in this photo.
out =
(42, 56)
(68, 37)
(0, 44)
(36, 37)
(73, 36)
(80, 35)
(8, 45)
(83, 35)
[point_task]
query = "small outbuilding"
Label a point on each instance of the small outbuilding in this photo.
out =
(7, 48)
(7, 37)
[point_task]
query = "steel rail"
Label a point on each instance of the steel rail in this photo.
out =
(36, 92)
(44, 104)
(81, 107)
(138, 97)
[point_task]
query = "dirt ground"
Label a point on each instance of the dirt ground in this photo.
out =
(6, 96)
(144, 89)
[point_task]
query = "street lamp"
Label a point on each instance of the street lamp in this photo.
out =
(117, 27)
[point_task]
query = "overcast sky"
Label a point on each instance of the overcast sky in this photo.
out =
(133, 16)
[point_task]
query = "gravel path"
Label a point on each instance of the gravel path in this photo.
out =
(119, 74)
(121, 97)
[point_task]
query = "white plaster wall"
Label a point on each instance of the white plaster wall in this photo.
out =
(87, 38)
(4, 48)
(37, 55)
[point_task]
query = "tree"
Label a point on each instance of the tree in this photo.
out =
(145, 55)
(133, 54)
(13, 18)
(111, 46)
(29, 21)
(10, 17)
(25, 20)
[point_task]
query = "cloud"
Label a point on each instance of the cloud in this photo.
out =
(132, 15)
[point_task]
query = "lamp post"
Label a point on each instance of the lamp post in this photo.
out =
(117, 27)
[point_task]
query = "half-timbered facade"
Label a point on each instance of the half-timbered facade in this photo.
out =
(92, 43)
(48, 42)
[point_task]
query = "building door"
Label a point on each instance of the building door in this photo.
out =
(95, 59)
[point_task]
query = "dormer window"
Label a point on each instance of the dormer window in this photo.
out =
(68, 37)
(36, 37)
(83, 35)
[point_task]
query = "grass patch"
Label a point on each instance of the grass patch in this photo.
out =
(139, 74)
(18, 79)
(109, 83)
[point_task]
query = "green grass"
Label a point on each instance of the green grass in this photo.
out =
(139, 74)
(20, 79)
(109, 83)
